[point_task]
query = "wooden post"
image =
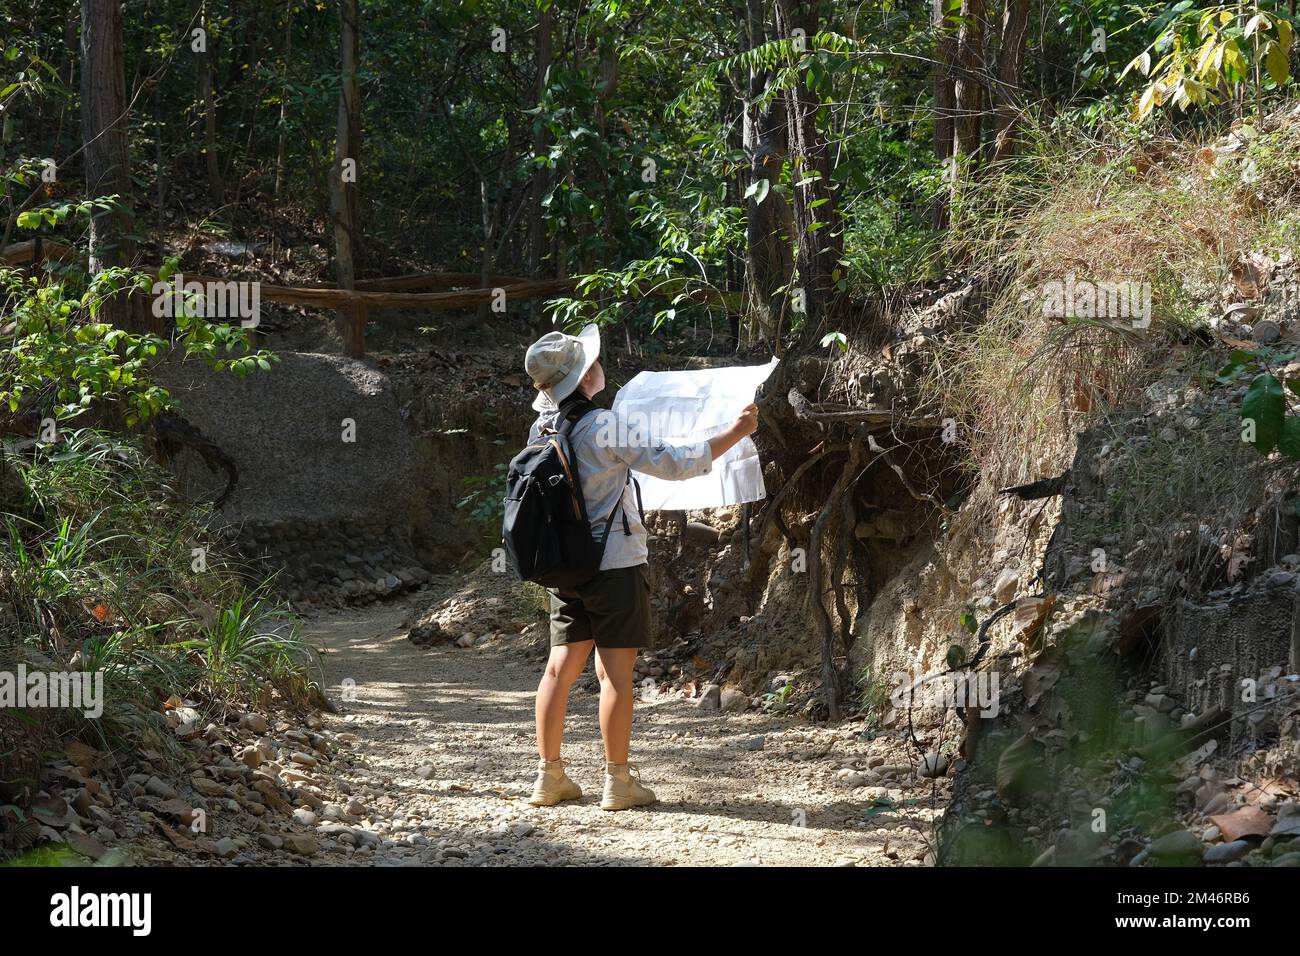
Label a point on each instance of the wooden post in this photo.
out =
(354, 330)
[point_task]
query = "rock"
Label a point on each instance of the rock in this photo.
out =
(1227, 852)
(303, 844)
(355, 808)
(269, 841)
(1004, 587)
(251, 757)
(157, 788)
(226, 848)
(754, 743)
(934, 765)
(710, 698)
(465, 640)
(1179, 844)
(426, 772)
(81, 802)
(1161, 702)
(306, 817)
(1266, 332)
(732, 700)
(255, 723)
(1288, 820)
(852, 778)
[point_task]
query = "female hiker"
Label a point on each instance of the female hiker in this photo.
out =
(612, 611)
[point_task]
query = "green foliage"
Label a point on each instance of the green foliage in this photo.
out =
(1267, 422)
(97, 573)
(1208, 53)
(872, 696)
(778, 702)
(253, 642)
(485, 496)
(64, 359)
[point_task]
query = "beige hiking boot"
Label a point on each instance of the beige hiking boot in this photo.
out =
(623, 788)
(553, 784)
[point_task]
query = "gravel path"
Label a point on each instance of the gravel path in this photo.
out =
(445, 760)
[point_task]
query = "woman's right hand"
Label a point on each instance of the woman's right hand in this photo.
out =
(747, 423)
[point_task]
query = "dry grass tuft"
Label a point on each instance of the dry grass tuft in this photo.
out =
(1170, 216)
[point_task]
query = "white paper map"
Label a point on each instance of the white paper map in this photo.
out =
(693, 406)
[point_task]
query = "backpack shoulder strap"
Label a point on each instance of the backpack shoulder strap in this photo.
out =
(572, 411)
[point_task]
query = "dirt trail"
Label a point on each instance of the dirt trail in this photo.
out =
(465, 715)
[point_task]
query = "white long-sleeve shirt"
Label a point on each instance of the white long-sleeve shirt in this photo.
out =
(605, 450)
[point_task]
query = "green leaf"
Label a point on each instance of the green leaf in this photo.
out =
(1266, 405)
(968, 619)
(835, 338)
(1277, 63)
(1289, 442)
(1236, 360)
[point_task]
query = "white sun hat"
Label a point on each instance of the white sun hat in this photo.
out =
(556, 363)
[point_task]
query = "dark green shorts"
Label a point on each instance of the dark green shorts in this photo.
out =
(612, 609)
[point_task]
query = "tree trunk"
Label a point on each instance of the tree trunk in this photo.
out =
(1011, 61)
(945, 100)
(284, 99)
(104, 134)
(817, 226)
(971, 77)
(344, 199)
(768, 263)
(945, 93)
(541, 144)
(207, 102)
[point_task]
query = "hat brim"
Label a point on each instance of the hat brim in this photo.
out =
(548, 399)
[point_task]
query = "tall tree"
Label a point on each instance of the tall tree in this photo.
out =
(541, 141)
(817, 226)
(345, 203)
(945, 93)
(104, 135)
(283, 126)
(768, 264)
(1011, 60)
(945, 97)
(201, 44)
(971, 78)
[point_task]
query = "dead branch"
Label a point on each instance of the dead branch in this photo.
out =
(804, 410)
(911, 490)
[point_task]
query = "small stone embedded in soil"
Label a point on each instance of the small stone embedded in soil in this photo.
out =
(934, 765)
(710, 698)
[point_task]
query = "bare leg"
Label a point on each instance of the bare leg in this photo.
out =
(562, 669)
(614, 668)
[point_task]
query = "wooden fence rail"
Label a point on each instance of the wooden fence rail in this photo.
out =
(460, 290)
(463, 290)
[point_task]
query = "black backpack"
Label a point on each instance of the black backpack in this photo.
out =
(546, 530)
